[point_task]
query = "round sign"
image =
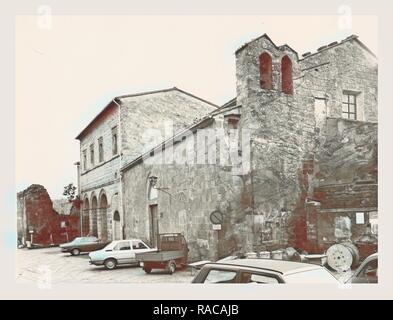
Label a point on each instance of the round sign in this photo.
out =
(216, 217)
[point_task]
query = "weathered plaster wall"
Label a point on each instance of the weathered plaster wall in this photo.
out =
(101, 173)
(144, 119)
(102, 178)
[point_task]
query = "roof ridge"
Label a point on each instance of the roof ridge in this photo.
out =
(335, 44)
(166, 90)
(265, 35)
(141, 94)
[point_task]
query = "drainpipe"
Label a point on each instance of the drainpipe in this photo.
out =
(78, 169)
(120, 151)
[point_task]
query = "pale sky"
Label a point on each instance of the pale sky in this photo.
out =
(66, 74)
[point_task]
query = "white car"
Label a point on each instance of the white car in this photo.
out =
(119, 252)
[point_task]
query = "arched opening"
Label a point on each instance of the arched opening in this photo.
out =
(116, 226)
(286, 75)
(86, 217)
(104, 217)
(152, 192)
(94, 227)
(265, 70)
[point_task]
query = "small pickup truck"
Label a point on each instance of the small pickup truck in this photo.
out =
(172, 254)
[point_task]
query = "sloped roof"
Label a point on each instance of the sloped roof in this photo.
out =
(353, 37)
(111, 105)
(321, 49)
(231, 104)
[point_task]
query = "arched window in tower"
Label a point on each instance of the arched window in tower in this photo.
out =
(286, 75)
(265, 70)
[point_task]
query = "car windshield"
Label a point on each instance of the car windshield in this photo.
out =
(84, 239)
(77, 240)
(312, 276)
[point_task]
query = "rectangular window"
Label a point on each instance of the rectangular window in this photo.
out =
(349, 106)
(92, 154)
(114, 141)
(232, 122)
(84, 160)
(100, 149)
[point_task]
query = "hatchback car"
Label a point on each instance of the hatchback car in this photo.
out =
(121, 252)
(263, 271)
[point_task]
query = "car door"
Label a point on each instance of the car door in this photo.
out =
(89, 244)
(123, 253)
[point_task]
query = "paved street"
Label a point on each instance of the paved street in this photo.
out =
(38, 265)
(54, 267)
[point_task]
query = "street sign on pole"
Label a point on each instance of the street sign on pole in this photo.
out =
(216, 217)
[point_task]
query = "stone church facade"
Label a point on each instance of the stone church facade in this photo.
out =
(305, 133)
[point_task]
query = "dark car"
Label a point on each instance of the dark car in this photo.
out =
(367, 272)
(82, 244)
(263, 271)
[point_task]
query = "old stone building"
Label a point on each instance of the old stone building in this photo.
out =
(311, 159)
(290, 161)
(44, 222)
(116, 136)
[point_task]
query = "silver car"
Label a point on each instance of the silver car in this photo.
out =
(120, 252)
(263, 271)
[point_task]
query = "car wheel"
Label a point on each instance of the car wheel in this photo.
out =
(110, 264)
(147, 270)
(75, 252)
(171, 267)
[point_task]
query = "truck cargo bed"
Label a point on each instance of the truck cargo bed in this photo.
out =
(159, 256)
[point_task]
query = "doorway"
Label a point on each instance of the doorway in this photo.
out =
(153, 224)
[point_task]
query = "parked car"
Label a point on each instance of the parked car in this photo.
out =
(367, 272)
(263, 271)
(82, 244)
(119, 252)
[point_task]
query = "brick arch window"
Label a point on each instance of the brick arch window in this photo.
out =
(286, 75)
(265, 70)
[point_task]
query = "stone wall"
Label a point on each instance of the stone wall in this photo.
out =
(345, 179)
(340, 67)
(139, 114)
(190, 193)
(283, 129)
(291, 133)
(35, 213)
